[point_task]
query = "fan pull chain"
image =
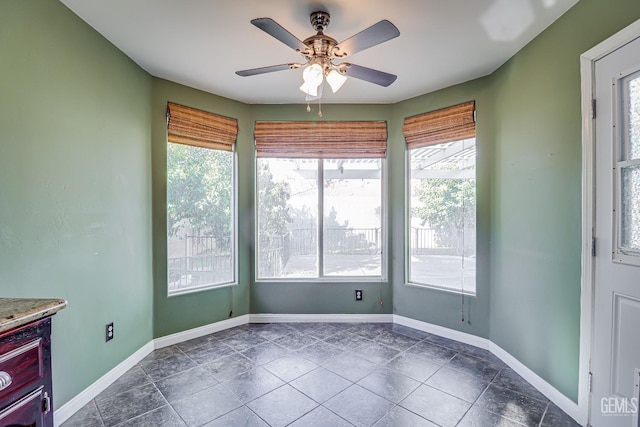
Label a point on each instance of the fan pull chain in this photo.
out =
(308, 108)
(320, 107)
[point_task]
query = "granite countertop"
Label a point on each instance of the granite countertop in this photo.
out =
(16, 312)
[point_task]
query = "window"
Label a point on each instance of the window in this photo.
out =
(201, 244)
(320, 207)
(441, 226)
(627, 167)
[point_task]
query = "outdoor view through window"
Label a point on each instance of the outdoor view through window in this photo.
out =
(295, 241)
(200, 212)
(442, 207)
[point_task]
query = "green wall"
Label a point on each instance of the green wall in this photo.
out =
(75, 187)
(536, 192)
(181, 312)
(82, 188)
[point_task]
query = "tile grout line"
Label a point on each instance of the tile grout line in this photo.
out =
(368, 334)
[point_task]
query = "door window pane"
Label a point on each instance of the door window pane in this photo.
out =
(633, 118)
(442, 226)
(630, 198)
(627, 188)
(352, 242)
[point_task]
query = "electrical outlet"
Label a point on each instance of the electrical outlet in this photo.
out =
(109, 331)
(358, 294)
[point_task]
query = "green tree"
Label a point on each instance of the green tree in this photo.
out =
(446, 205)
(199, 189)
(273, 212)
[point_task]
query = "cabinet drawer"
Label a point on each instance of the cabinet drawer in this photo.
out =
(25, 412)
(23, 357)
(20, 367)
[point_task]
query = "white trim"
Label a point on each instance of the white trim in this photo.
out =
(587, 75)
(588, 209)
(562, 401)
(63, 413)
(329, 318)
(616, 41)
(75, 404)
(200, 331)
(442, 331)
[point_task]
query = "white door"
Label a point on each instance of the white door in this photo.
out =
(615, 363)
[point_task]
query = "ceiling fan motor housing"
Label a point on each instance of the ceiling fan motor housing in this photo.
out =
(319, 20)
(320, 46)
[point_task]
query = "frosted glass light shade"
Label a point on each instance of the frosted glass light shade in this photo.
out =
(336, 80)
(313, 75)
(309, 89)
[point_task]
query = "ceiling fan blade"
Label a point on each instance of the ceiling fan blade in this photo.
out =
(370, 75)
(375, 34)
(276, 30)
(263, 70)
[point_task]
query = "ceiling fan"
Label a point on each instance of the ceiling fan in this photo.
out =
(320, 51)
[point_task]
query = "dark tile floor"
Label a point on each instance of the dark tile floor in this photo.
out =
(320, 374)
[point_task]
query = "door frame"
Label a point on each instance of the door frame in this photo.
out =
(587, 282)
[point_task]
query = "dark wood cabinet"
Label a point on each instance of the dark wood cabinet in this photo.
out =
(25, 376)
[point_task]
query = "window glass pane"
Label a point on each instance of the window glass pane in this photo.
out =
(352, 241)
(634, 119)
(442, 227)
(630, 227)
(200, 212)
(287, 218)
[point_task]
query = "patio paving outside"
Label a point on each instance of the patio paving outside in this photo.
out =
(444, 271)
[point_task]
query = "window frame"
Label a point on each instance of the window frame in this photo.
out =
(321, 278)
(442, 127)
(219, 134)
(621, 255)
(234, 236)
(407, 233)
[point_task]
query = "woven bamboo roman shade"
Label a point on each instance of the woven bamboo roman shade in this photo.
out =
(445, 125)
(332, 140)
(199, 128)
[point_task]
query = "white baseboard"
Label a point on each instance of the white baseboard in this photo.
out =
(562, 401)
(328, 318)
(559, 399)
(85, 396)
(462, 337)
(201, 331)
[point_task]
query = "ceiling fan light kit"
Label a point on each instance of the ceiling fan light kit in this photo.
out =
(321, 50)
(335, 80)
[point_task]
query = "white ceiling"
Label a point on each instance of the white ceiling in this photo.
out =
(201, 43)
